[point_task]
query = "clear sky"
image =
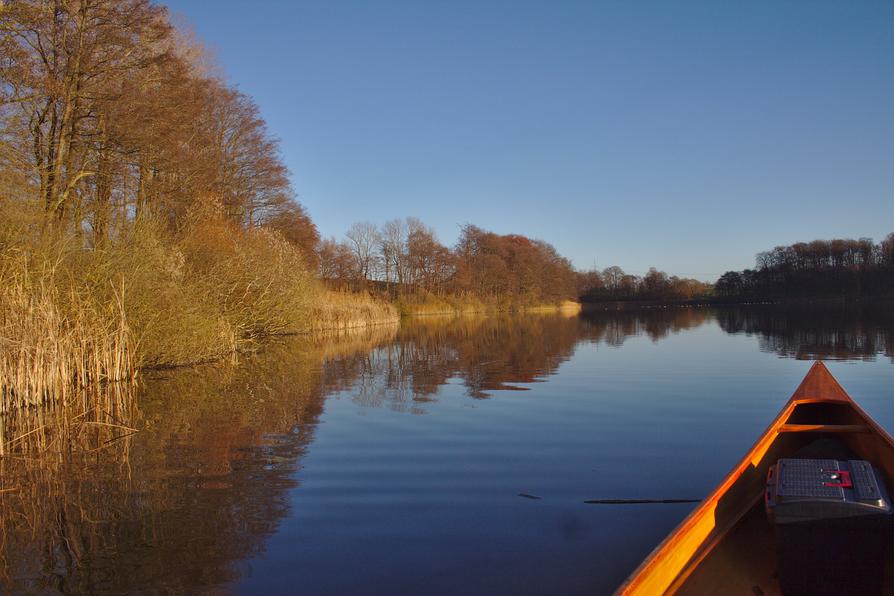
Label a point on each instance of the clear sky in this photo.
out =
(682, 135)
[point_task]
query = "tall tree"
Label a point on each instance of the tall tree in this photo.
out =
(66, 62)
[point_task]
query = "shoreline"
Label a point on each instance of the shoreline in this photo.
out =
(620, 305)
(447, 308)
(359, 326)
(335, 314)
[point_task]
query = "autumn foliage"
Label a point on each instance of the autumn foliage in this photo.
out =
(405, 258)
(109, 113)
(146, 216)
(613, 284)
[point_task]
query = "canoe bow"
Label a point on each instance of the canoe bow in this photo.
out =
(666, 569)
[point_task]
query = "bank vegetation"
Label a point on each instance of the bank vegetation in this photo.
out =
(146, 217)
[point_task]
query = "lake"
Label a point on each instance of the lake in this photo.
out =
(449, 455)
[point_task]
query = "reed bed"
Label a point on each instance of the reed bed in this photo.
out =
(424, 303)
(342, 311)
(566, 308)
(74, 315)
(47, 349)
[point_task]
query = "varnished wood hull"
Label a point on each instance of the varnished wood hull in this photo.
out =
(725, 546)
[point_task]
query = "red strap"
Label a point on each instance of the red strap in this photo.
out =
(845, 480)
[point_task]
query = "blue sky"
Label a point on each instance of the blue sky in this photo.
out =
(682, 135)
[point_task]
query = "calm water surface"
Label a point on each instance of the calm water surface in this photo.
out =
(393, 461)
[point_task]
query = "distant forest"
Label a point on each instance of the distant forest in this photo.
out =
(613, 284)
(842, 268)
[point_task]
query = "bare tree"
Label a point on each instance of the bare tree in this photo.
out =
(611, 277)
(363, 240)
(393, 251)
(429, 263)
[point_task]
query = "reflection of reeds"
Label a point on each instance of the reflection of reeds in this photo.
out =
(87, 505)
(62, 427)
(52, 510)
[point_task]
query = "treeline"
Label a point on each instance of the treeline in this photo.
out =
(613, 284)
(405, 256)
(832, 268)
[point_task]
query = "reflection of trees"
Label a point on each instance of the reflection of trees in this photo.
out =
(614, 327)
(486, 353)
(495, 353)
(176, 506)
(857, 332)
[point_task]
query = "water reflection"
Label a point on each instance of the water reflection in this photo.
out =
(857, 332)
(499, 353)
(54, 510)
(178, 506)
(484, 353)
(614, 327)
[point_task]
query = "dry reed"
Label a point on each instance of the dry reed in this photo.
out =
(46, 349)
(73, 316)
(342, 311)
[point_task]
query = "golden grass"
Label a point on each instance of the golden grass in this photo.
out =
(341, 311)
(422, 304)
(565, 308)
(257, 281)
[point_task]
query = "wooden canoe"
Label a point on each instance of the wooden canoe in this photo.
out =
(726, 546)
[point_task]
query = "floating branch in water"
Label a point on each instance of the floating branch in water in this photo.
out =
(527, 496)
(638, 501)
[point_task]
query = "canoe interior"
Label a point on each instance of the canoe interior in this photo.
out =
(726, 546)
(744, 560)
